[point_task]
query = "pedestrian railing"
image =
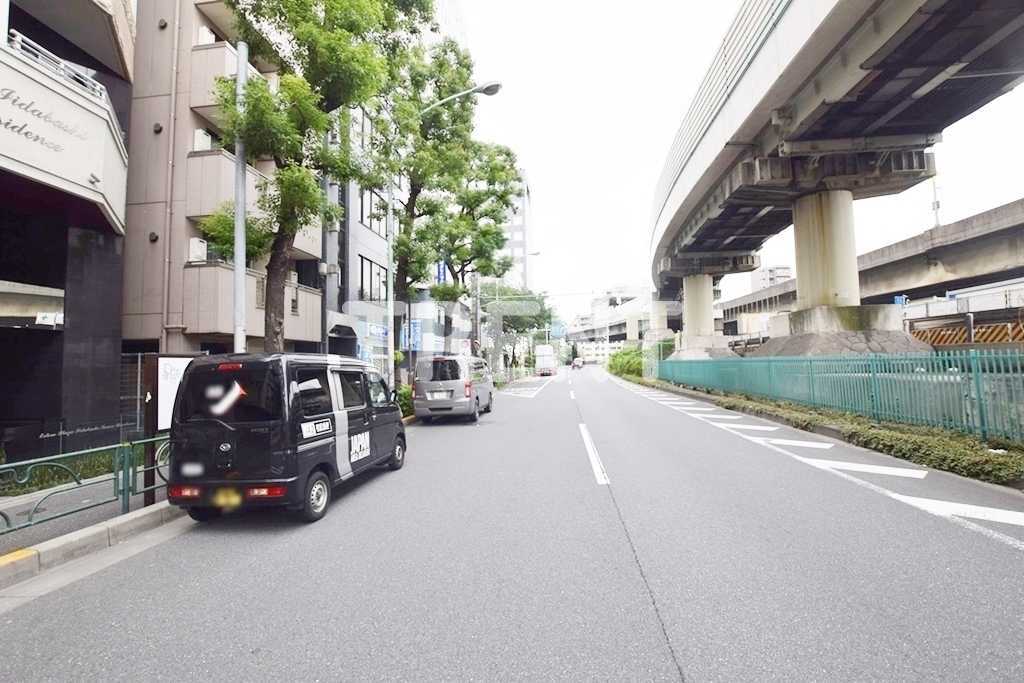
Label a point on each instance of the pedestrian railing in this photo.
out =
(975, 391)
(112, 472)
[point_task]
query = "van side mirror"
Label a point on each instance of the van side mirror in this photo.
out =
(394, 396)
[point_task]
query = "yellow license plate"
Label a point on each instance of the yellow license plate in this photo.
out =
(227, 498)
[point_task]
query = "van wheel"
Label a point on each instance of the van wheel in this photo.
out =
(475, 417)
(204, 514)
(490, 404)
(397, 456)
(318, 496)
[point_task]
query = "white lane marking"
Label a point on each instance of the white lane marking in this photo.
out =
(674, 402)
(572, 394)
(867, 469)
(722, 416)
(821, 445)
(945, 508)
(595, 460)
(751, 428)
(952, 512)
(525, 392)
(694, 409)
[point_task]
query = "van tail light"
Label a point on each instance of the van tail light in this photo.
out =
(179, 491)
(229, 367)
(469, 388)
(266, 491)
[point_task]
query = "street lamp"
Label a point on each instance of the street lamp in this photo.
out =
(489, 88)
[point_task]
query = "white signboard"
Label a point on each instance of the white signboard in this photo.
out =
(169, 372)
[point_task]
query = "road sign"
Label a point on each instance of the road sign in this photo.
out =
(558, 330)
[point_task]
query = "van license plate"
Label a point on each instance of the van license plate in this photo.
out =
(227, 499)
(438, 395)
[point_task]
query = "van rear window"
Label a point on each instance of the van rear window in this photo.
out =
(236, 395)
(437, 370)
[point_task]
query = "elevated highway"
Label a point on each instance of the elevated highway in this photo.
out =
(808, 105)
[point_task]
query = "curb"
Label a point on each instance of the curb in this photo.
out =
(409, 420)
(23, 564)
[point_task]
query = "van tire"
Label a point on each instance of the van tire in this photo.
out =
(317, 498)
(397, 458)
(474, 417)
(490, 404)
(204, 514)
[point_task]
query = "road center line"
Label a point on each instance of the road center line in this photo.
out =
(595, 460)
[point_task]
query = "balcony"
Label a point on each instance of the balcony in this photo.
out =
(103, 29)
(307, 245)
(222, 17)
(208, 304)
(60, 129)
(210, 183)
(210, 62)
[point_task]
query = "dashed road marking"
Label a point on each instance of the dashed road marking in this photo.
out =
(956, 513)
(595, 460)
(751, 428)
(722, 416)
(821, 445)
(694, 409)
(867, 469)
(946, 509)
(572, 394)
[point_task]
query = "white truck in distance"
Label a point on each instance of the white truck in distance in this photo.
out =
(545, 360)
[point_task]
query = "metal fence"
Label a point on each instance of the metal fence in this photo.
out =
(976, 391)
(110, 473)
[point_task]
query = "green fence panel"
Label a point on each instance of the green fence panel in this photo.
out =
(975, 391)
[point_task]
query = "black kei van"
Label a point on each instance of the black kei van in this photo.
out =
(278, 429)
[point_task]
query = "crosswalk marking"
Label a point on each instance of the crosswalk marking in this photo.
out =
(867, 469)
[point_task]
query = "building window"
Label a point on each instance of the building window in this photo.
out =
(373, 280)
(261, 293)
(373, 212)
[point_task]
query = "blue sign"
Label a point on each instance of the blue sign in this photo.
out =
(441, 274)
(901, 299)
(377, 331)
(558, 330)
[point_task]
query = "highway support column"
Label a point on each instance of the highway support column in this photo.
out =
(826, 252)
(829, 318)
(698, 306)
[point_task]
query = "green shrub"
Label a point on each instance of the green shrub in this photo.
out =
(627, 362)
(405, 399)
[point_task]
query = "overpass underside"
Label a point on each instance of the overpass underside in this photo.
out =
(860, 124)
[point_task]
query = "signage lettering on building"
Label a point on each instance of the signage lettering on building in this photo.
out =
(18, 126)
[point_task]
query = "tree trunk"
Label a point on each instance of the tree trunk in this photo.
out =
(277, 277)
(448, 325)
(402, 285)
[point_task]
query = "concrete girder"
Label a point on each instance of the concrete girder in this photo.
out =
(707, 263)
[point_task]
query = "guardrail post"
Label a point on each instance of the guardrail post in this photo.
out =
(810, 380)
(125, 461)
(976, 373)
(872, 365)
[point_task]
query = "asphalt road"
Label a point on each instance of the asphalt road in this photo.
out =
(586, 529)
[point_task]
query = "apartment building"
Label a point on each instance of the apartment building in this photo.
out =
(65, 89)
(178, 295)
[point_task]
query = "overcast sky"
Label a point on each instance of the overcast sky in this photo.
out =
(594, 92)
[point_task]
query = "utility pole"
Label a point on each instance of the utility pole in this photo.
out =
(389, 323)
(240, 172)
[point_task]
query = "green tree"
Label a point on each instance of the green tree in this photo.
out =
(424, 151)
(333, 55)
(513, 313)
(468, 236)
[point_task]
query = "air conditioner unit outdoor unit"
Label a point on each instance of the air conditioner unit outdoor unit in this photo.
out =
(293, 277)
(197, 251)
